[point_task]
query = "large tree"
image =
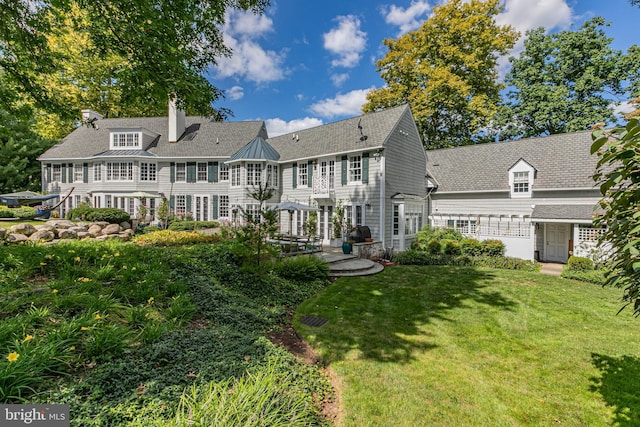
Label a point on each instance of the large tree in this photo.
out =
(618, 174)
(20, 145)
(447, 71)
(162, 48)
(565, 82)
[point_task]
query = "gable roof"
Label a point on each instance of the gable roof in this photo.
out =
(202, 138)
(341, 136)
(561, 161)
(257, 149)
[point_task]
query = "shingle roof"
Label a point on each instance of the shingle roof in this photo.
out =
(340, 136)
(203, 138)
(568, 212)
(561, 161)
(257, 149)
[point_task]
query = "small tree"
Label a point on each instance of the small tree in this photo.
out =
(163, 212)
(618, 173)
(258, 226)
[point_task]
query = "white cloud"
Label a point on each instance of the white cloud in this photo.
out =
(277, 126)
(249, 60)
(347, 41)
(339, 78)
(525, 15)
(347, 104)
(406, 19)
(234, 93)
(622, 108)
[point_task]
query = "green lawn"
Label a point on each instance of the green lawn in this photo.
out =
(416, 346)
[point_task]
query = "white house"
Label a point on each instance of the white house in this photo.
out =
(537, 195)
(373, 165)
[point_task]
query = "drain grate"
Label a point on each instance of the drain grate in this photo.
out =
(313, 321)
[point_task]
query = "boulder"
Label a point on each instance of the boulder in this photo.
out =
(45, 227)
(106, 237)
(79, 228)
(84, 235)
(42, 236)
(61, 223)
(23, 228)
(111, 229)
(125, 225)
(95, 229)
(3, 233)
(67, 233)
(17, 238)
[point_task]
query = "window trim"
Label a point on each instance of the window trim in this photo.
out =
(354, 166)
(126, 140)
(515, 181)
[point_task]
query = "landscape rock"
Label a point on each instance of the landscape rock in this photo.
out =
(23, 228)
(111, 229)
(67, 233)
(3, 233)
(17, 238)
(125, 225)
(61, 223)
(47, 227)
(42, 236)
(95, 229)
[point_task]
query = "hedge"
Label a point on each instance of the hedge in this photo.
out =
(110, 215)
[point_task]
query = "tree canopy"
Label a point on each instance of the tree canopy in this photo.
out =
(447, 71)
(566, 82)
(129, 53)
(618, 173)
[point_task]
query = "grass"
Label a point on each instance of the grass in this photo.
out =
(445, 346)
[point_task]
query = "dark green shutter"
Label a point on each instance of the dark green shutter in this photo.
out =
(48, 173)
(70, 172)
(344, 170)
(310, 172)
(172, 202)
(294, 175)
(191, 172)
(365, 168)
(214, 207)
(63, 174)
(213, 172)
(188, 203)
(85, 172)
(172, 174)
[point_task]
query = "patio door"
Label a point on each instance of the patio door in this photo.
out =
(557, 242)
(201, 208)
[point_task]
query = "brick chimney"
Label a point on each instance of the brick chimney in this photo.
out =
(176, 122)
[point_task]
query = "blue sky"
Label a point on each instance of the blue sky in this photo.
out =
(305, 63)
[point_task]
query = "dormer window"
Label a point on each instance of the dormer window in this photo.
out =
(125, 140)
(521, 176)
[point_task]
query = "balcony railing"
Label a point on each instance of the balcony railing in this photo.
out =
(322, 187)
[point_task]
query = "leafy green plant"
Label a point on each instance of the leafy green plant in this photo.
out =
(192, 225)
(174, 238)
(86, 213)
(302, 269)
(470, 247)
(450, 247)
(576, 263)
(492, 247)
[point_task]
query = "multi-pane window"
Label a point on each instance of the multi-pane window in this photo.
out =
(355, 169)
(272, 176)
(181, 172)
(56, 176)
(97, 172)
(125, 140)
(253, 212)
(119, 171)
(521, 182)
(223, 206)
(148, 171)
(254, 173)
(224, 172)
(77, 199)
(412, 218)
(202, 172)
(107, 201)
(77, 172)
(303, 174)
(396, 220)
(235, 175)
(332, 173)
(181, 204)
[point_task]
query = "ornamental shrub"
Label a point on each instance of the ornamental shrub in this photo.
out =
(577, 263)
(470, 247)
(192, 225)
(302, 269)
(110, 215)
(21, 212)
(450, 247)
(434, 247)
(492, 247)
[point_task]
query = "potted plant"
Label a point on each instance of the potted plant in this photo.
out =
(337, 220)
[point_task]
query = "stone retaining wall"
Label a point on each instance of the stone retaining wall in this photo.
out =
(369, 250)
(62, 229)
